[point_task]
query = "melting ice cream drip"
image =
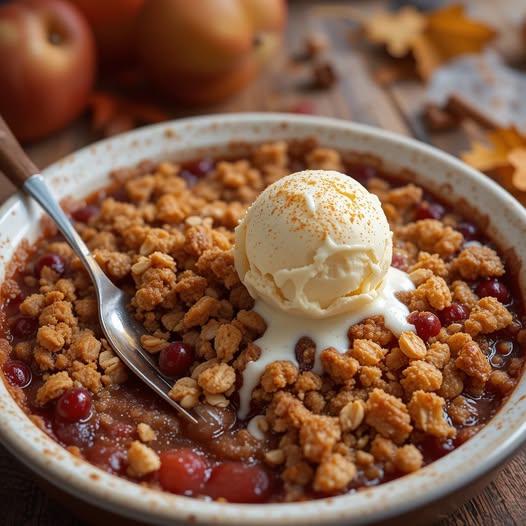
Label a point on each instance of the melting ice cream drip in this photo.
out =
(314, 251)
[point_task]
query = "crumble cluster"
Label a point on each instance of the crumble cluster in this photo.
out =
(370, 413)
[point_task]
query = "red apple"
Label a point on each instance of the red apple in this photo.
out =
(47, 66)
(113, 23)
(206, 51)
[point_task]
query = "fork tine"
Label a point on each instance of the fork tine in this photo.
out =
(128, 345)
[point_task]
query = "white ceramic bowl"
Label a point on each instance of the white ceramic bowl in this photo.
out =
(419, 495)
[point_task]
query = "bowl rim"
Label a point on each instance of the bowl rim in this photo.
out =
(88, 482)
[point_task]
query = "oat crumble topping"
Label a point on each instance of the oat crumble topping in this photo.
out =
(384, 408)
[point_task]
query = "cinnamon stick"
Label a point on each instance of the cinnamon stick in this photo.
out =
(462, 108)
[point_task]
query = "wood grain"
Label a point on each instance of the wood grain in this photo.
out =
(23, 503)
(357, 97)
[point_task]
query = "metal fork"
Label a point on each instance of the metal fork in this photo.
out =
(120, 328)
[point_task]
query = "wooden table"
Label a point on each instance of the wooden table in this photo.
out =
(356, 96)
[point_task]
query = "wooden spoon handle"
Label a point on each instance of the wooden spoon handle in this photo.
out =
(14, 162)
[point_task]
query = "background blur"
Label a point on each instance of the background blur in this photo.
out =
(447, 73)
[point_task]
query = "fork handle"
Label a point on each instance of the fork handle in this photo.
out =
(21, 171)
(14, 162)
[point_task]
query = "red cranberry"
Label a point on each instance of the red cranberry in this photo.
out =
(17, 373)
(81, 433)
(426, 324)
(196, 170)
(183, 471)
(85, 213)
(24, 327)
(429, 211)
(176, 359)
(363, 172)
(455, 313)
(201, 168)
(54, 261)
(468, 230)
(493, 287)
(74, 405)
(108, 458)
(238, 482)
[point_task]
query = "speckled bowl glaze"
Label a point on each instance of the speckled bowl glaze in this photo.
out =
(431, 492)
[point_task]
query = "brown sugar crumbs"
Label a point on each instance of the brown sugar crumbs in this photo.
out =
(386, 407)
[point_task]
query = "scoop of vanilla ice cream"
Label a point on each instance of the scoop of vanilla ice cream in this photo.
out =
(315, 243)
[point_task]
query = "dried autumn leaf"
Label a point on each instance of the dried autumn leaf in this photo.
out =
(517, 160)
(433, 38)
(502, 142)
(449, 33)
(112, 114)
(104, 108)
(396, 30)
(504, 158)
